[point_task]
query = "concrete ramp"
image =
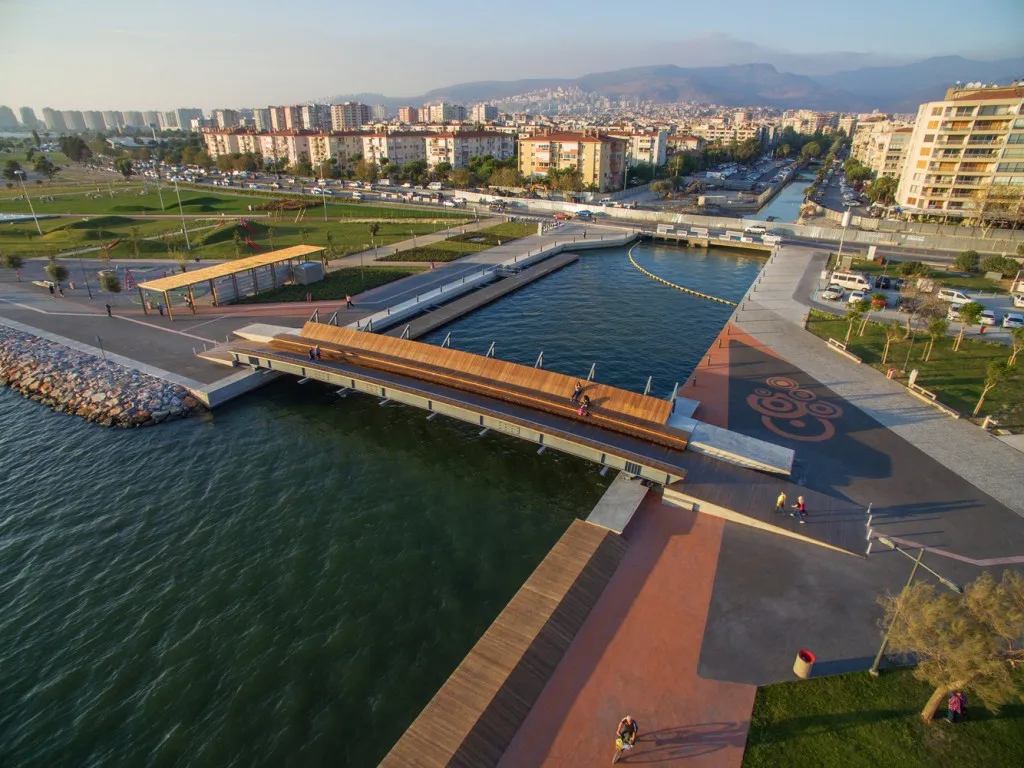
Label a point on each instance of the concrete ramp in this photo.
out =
(734, 448)
(263, 332)
(619, 503)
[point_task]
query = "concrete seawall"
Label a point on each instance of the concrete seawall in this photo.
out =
(98, 390)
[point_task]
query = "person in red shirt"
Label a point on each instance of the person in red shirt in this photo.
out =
(801, 510)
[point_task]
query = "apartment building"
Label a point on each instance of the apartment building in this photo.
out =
(151, 118)
(965, 155)
(456, 148)
(183, 117)
(409, 115)
(132, 119)
(599, 158)
(261, 119)
(650, 147)
(848, 124)
(882, 145)
(316, 117)
(684, 142)
(73, 119)
(805, 120)
(483, 113)
(350, 116)
(168, 121)
(8, 121)
(28, 117)
(443, 112)
(54, 120)
(397, 148)
(340, 147)
(226, 118)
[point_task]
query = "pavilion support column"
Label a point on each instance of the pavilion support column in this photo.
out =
(213, 292)
(142, 300)
(191, 300)
(234, 282)
(167, 303)
(273, 275)
(255, 282)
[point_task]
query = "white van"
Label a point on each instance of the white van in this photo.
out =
(953, 296)
(756, 229)
(853, 281)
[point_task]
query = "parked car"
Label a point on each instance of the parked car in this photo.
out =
(953, 313)
(856, 296)
(883, 282)
(1018, 299)
(988, 317)
(1012, 320)
(833, 293)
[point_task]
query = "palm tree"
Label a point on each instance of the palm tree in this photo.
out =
(936, 330)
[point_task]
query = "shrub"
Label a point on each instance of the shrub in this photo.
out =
(1004, 265)
(966, 261)
(110, 282)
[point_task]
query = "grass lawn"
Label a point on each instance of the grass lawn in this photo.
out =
(970, 282)
(460, 245)
(351, 280)
(956, 378)
(856, 721)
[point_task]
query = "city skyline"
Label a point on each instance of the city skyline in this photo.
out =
(161, 61)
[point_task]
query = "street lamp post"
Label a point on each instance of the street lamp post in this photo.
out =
(181, 210)
(85, 277)
(21, 176)
(913, 572)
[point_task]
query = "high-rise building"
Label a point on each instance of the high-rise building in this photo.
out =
(151, 118)
(965, 157)
(261, 119)
(444, 112)
(599, 158)
(73, 119)
(409, 115)
(168, 121)
(113, 120)
(54, 120)
(133, 119)
(316, 117)
(882, 145)
(28, 117)
(483, 113)
(94, 120)
(184, 115)
(349, 116)
(225, 118)
(277, 118)
(8, 121)
(379, 112)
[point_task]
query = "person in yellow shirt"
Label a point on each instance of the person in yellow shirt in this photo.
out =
(780, 503)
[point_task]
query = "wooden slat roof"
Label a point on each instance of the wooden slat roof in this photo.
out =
(606, 399)
(196, 276)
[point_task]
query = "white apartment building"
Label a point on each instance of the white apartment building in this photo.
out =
(114, 121)
(316, 117)
(226, 118)
(73, 119)
(483, 113)
(444, 112)
(650, 147)
(457, 148)
(882, 145)
(150, 118)
(54, 120)
(132, 119)
(339, 146)
(965, 157)
(397, 148)
(350, 116)
(261, 119)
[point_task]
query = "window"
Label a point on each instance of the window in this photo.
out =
(964, 111)
(933, 124)
(915, 188)
(1014, 152)
(1015, 138)
(925, 151)
(922, 163)
(929, 138)
(1018, 123)
(936, 111)
(994, 109)
(1011, 168)
(911, 201)
(917, 177)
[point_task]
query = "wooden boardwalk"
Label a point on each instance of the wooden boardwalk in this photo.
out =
(613, 409)
(471, 720)
(454, 310)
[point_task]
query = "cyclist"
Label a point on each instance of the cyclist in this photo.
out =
(628, 730)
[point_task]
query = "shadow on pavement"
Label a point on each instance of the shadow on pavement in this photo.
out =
(685, 741)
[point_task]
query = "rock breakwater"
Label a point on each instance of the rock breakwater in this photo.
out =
(69, 381)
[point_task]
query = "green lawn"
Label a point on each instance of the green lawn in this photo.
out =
(464, 244)
(955, 377)
(971, 283)
(336, 285)
(856, 721)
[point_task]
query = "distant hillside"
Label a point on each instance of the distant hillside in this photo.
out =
(891, 88)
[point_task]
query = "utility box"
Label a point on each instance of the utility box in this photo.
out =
(308, 272)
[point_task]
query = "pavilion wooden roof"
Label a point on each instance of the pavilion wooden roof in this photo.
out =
(196, 276)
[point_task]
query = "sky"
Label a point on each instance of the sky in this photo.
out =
(115, 54)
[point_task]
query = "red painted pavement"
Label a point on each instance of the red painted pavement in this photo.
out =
(637, 652)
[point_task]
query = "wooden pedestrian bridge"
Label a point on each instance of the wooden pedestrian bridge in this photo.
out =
(628, 431)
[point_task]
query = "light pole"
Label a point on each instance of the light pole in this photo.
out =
(323, 190)
(181, 210)
(913, 572)
(21, 176)
(842, 237)
(85, 277)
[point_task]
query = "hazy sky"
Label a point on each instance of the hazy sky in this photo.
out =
(115, 54)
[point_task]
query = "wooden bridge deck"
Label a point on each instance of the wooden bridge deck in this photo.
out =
(471, 720)
(614, 409)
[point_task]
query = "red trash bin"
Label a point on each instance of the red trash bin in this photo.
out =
(804, 664)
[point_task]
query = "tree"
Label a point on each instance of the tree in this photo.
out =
(11, 169)
(270, 237)
(893, 332)
(13, 261)
(968, 314)
(110, 282)
(44, 167)
(1016, 344)
(35, 138)
(784, 150)
(239, 243)
(442, 169)
(415, 170)
(966, 261)
(57, 271)
(996, 373)
(974, 641)
(855, 312)
(366, 170)
(373, 227)
(810, 150)
(882, 190)
(225, 163)
(937, 328)
(133, 235)
(1004, 265)
(182, 259)
(505, 177)
(914, 269)
(329, 250)
(461, 178)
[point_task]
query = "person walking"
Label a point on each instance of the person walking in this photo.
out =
(312, 354)
(108, 310)
(576, 392)
(780, 502)
(53, 293)
(319, 355)
(60, 290)
(160, 309)
(801, 510)
(956, 709)
(348, 302)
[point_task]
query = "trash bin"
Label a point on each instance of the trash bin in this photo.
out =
(804, 664)
(890, 373)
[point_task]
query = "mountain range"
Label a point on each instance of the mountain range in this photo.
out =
(896, 88)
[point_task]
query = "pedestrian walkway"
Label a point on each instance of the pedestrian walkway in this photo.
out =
(772, 315)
